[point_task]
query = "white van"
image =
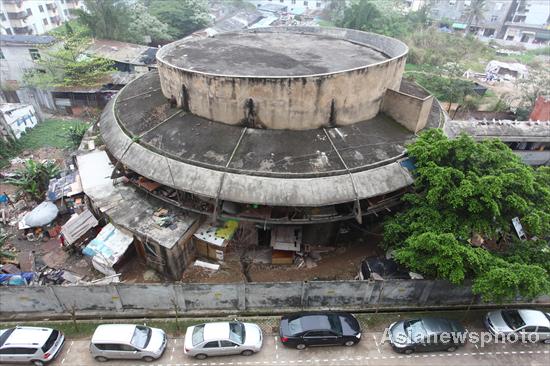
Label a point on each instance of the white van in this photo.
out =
(127, 341)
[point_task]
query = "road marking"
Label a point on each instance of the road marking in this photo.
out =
(375, 342)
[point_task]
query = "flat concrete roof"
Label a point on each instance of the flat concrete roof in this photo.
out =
(265, 152)
(270, 54)
(271, 167)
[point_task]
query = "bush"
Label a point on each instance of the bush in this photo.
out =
(34, 177)
(76, 132)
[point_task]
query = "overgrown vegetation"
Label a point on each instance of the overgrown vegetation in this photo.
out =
(467, 189)
(68, 65)
(34, 177)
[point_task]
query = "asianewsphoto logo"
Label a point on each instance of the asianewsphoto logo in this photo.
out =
(481, 338)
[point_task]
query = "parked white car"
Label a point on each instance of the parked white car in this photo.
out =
(30, 344)
(127, 341)
(222, 338)
(534, 324)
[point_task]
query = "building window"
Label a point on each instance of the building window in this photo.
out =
(317, 5)
(281, 1)
(8, 31)
(29, 11)
(66, 12)
(2, 57)
(2, 17)
(35, 55)
(41, 8)
(293, 2)
(305, 3)
(45, 21)
(494, 18)
(452, 2)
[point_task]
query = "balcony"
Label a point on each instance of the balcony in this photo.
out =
(51, 7)
(22, 30)
(18, 15)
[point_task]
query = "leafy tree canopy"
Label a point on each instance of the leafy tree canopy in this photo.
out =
(122, 20)
(182, 16)
(69, 65)
(465, 188)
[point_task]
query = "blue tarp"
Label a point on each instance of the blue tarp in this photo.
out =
(19, 279)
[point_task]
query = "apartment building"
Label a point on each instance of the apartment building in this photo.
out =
(35, 17)
(528, 22)
(513, 20)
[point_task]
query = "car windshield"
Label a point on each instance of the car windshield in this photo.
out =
(237, 332)
(141, 336)
(512, 319)
(414, 328)
(198, 334)
(5, 336)
(295, 326)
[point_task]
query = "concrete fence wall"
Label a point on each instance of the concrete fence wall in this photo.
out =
(238, 297)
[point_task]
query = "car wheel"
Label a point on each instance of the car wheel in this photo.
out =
(201, 356)
(148, 359)
(408, 351)
(451, 349)
(101, 359)
(349, 343)
(546, 341)
(38, 363)
(247, 352)
(300, 346)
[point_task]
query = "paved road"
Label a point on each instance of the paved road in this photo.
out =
(369, 351)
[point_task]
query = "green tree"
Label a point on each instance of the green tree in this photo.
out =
(475, 13)
(462, 188)
(182, 16)
(144, 27)
(68, 65)
(106, 19)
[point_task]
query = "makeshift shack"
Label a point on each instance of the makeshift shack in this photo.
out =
(212, 241)
(285, 241)
(505, 70)
(108, 248)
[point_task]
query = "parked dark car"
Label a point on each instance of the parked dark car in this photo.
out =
(319, 329)
(426, 334)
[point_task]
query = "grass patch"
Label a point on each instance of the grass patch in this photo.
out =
(325, 23)
(50, 133)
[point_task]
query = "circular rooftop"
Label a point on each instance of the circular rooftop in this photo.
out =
(293, 78)
(316, 167)
(271, 54)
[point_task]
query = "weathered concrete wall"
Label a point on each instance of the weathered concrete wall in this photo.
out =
(410, 111)
(295, 102)
(213, 298)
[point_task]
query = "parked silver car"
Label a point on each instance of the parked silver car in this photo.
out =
(30, 345)
(222, 338)
(532, 324)
(127, 341)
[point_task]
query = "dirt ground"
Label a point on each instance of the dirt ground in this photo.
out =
(340, 262)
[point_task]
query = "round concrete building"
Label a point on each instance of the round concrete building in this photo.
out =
(283, 78)
(282, 126)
